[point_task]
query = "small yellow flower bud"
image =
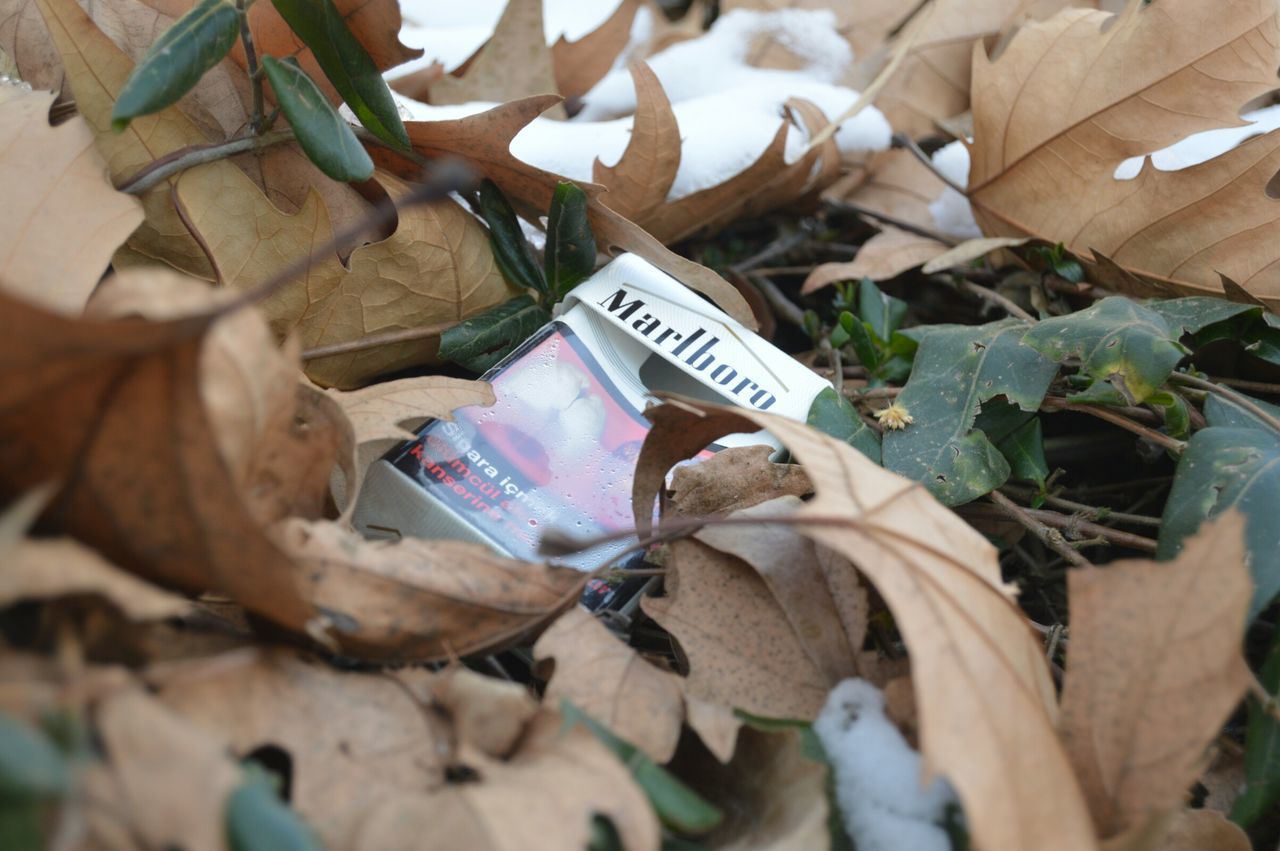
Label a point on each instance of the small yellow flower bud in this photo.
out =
(895, 417)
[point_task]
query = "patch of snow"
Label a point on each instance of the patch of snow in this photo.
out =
(951, 211)
(1202, 147)
(878, 776)
(717, 61)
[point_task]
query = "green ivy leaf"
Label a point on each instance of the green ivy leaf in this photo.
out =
(31, 766)
(481, 341)
(323, 134)
(857, 335)
(1221, 468)
(177, 60)
(833, 414)
(571, 247)
(1177, 414)
(347, 65)
(1220, 411)
(1023, 448)
(957, 368)
(678, 806)
(1194, 314)
(510, 248)
(883, 314)
(257, 820)
(1119, 341)
(1261, 748)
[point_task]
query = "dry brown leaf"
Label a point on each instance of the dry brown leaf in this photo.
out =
(639, 183)
(865, 25)
(415, 599)
(437, 268)
(62, 218)
(580, 64)
(484, 142)
(171, 777)
(968, 251)
(886, 255)
(514, 63)
(487, 713)
(738, 477)
(773, 797)
(605, 678)
(1154, 668)
(985, 699)
(391, 410)
(1066, 103)
(54, 569)
(1203, 830)
(546, 795)
(353, 739)
(743, 652)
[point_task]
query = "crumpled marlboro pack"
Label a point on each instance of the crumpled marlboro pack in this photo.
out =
(559, 446)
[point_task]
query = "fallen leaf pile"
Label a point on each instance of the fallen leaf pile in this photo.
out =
(205, 343)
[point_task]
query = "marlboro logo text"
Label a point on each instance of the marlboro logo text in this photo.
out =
(696, 348)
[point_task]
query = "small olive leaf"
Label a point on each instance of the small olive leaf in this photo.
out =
(571, 247)
(347, 65)
(1023, 448)
(678, 806)
(481, 341)
(833, 414)
(1120, 341)
(323, 134)
(31, 766)
(510, 248)
(1223, 468)
(257, 820)
(957, 368)
(177, 60)
(855, 330)
(1261, 748)
(884, 314)
(1176, 413)
(1221, 411)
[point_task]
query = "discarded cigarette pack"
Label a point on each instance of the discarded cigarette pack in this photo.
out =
(559, 446)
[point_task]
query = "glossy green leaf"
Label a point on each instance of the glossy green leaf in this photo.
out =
(481, 341)
(883, 314)
(1190, 315)
(257, 820)
(833, 414)
(1261, 748)
(510, 248)
(1119, 341)
(957, 369)
(860, 338)
(324, 135)
(1176, 413)
(1023, 448)
(1222, 468)
(177, 60)
(31, 766)
(676, 805)
(571, 247)
(347, 65)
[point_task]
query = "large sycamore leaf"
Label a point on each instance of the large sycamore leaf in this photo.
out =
(985, 699)
(435, 269)
(1154, 668)
(483, 141)
(62, 218)
(1073, 97)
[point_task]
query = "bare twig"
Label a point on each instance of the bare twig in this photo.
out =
(373, 341)
(777, 248)
(786, 308)
(900, 224)
(1053, 403)
(1093, 512)
(1079, 524)
(193, 155)
(907, 142)
(1226, 393)
(1008, 305)
(256, 123)
(1051, 537)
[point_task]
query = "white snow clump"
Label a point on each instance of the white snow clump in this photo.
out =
(878, 775)
(951, 211)
(1202, 147)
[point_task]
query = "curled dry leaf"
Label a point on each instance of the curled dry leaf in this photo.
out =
(605, 678)
(983, 685)
(1153, 670)
(886, 255)
(415, 599)
(517, 42)
(551, 788)
(580, 64)
(62, 219)
(487, 713)
(1068, 101)
(483, 141)
(638, 184)
(738, 477)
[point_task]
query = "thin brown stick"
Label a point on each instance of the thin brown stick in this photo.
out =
(193, 155)
(1256, 386)
(373, 341)
(900, 224)
(1079, 524)
(1008, 305)
(1051, 537)
(1094, 512)
(1268, 701)
(905, 141)
(1053, 403)
(1226, 393)
(786, 308)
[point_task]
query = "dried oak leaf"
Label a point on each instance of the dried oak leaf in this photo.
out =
(607, 679)
(738, 477)
(483, 141)
(985, 699)
(517, 42)
(864, 25)
(1154, 668)
(547, 794)
(62, 218)
(1072, 98)
(436, 269)
(579, 65)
